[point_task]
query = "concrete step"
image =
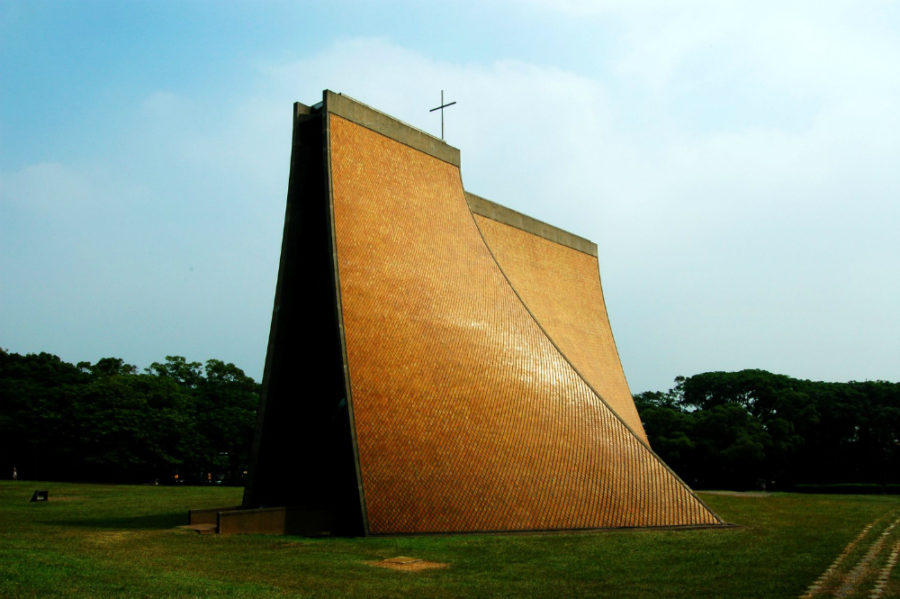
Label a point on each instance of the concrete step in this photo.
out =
(203, 529)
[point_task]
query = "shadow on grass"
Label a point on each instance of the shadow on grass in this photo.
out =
(145, 522)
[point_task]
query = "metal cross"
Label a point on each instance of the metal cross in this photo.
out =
(441, 108)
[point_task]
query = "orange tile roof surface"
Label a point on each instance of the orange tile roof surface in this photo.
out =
(466, 416)
(561, 287)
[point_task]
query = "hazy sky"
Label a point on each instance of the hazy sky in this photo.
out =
(737, 163)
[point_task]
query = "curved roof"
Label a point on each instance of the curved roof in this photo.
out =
(560, 285)
(467, 417)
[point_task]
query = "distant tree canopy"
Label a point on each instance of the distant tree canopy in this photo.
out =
(106, 422)
(741, 430)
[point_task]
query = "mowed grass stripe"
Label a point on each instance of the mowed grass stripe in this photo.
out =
(883, 581)
(864, 569)
(843, 575)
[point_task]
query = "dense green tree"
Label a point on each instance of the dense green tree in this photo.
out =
(670, 428)
(753, 428)
(187, 374)
(226, 416)
(129, 428)
(106, 422)
(34, 392)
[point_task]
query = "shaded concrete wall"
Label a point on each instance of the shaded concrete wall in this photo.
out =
(303, 454)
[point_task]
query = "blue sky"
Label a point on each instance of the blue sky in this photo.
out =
(736, 163)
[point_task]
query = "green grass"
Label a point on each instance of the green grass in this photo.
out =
(122, 541)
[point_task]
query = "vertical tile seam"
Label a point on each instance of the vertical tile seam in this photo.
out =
(326, 124)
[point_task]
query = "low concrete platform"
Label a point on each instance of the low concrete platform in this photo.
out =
(203, 529)
(267, 521)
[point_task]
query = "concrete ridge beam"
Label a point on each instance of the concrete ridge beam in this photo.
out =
(508, 216)
(379, 122)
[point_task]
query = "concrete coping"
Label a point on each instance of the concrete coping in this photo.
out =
(508, 216)
(357, 112)
(384, 124)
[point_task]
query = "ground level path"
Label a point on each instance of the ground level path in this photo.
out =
(864, 567)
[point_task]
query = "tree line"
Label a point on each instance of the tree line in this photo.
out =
(181, 421)
(754, 429)
(177, 421)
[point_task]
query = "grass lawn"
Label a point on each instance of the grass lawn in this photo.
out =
(122, 541)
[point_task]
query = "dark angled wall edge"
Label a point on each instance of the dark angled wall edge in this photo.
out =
(302, 455)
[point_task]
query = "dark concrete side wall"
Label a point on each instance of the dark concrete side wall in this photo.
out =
(302, 454)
